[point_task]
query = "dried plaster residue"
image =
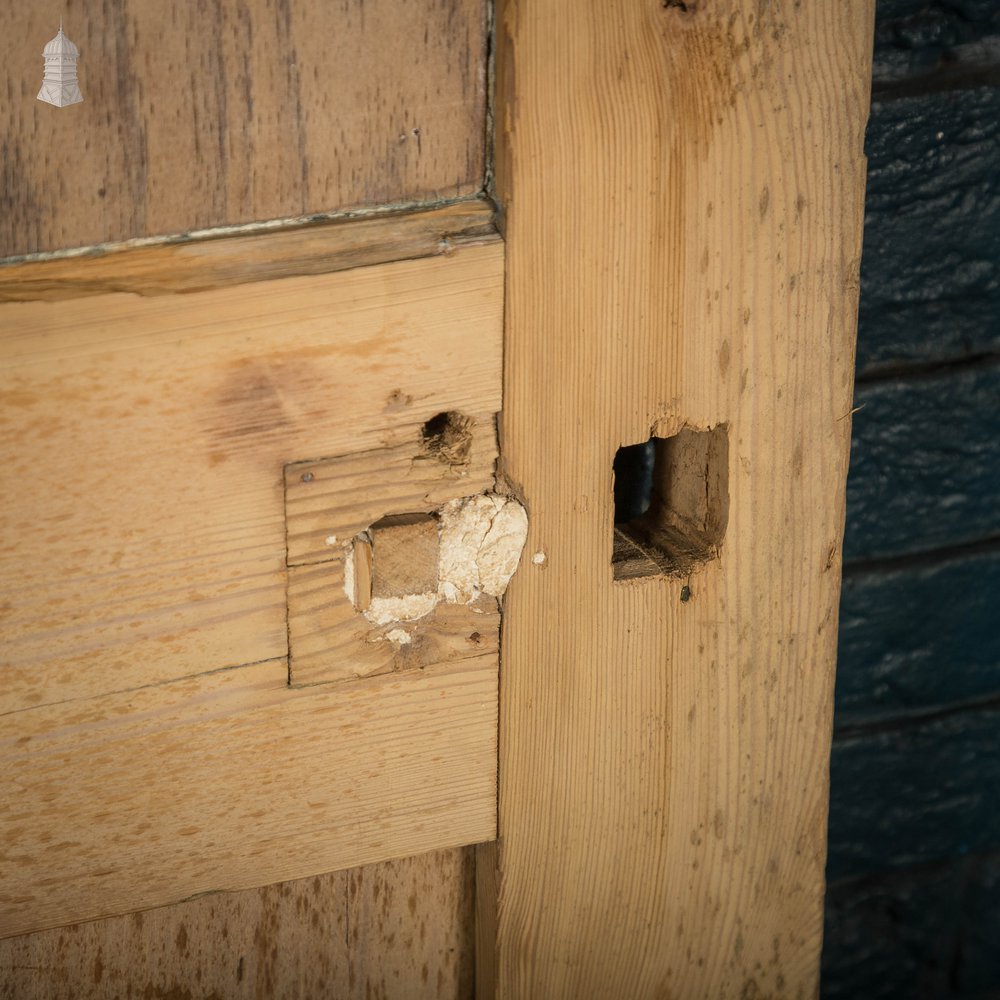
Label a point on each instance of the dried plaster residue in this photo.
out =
(480, 543)
(384, 610)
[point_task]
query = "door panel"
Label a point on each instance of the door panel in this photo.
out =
(400, 929)
(211, 114)
(160, 454)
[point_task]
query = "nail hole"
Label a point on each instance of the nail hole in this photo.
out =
(448, 437)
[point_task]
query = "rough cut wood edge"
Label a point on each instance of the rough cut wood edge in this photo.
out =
(402, 928)
(330, 641)
(683, 194)
(216, 262)
(232, 780)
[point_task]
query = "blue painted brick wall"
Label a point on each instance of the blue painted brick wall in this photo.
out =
(917, 634)
(913, 904)
(925, 462)
(930, 270)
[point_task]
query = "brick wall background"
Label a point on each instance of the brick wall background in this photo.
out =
(913, 905)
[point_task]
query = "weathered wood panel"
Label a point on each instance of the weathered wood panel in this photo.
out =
(199, 115)
(928, 930)
(919, 792)
(152, 748)
(930, 274)
(202, 264)
(143, 442)
(400, 930)
(232, 779)
(683, 191)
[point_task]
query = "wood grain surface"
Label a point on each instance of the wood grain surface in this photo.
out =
(231, 780)
(209, 114)
(152, 748)
(683, 188)
(198, 265)
(329, 501)
(144, 440)
(327, 504)
(400, 930)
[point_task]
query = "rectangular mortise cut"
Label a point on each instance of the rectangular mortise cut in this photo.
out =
(671, 503)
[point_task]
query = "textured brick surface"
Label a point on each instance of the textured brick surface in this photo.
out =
(913, 911)
(930, 270)
(916, 637)
(925, 333)
(919, 934)
(892, 938)
(915, 38)
(977, 962)
(925, 464)
(915, 794)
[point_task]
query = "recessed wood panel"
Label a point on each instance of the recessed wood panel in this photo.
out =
(401, 929)
(201, 115)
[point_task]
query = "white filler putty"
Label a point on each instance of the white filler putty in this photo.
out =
(481, 539)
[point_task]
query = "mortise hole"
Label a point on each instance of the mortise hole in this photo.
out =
(448, 437)
(404, 555)
(395, 557)
(671, 503)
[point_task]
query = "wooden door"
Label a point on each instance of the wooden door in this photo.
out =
(195, 432)
(259, 520)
